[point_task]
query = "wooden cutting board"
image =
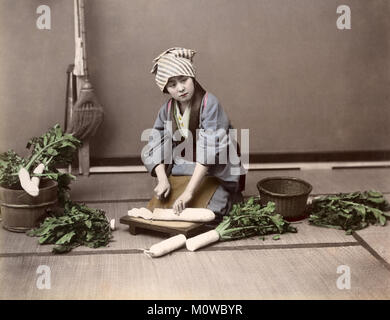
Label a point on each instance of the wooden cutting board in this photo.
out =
(204, 193)
(178, 184)
(137, 225)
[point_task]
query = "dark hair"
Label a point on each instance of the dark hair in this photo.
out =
(165, 88)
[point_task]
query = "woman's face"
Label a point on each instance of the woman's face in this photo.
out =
(181, 88)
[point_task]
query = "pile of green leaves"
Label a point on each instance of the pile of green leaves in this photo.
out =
(10, 163)
(350, 211)
(75, 224)
(78, 225)
(250, 218)
(53, 149)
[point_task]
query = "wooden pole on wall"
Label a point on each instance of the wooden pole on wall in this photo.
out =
(81, 71)
(88, 113)
(83, 152)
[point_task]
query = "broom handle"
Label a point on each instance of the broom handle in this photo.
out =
(81, 71)
(83, 36)
(80, 68)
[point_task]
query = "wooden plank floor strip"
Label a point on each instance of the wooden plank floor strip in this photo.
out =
(283, 246)
(70, 254)
(366, 246)
(210, 248)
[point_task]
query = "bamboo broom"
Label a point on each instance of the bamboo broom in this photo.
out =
(87, 113)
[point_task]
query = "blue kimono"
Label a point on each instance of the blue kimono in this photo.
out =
(211, 147)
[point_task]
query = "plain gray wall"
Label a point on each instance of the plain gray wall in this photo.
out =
(279, 67)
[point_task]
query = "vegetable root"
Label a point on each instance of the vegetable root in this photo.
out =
(188, 214)
(30, 185)
(166, 246)
(112, 224)
(26, 183)
(202, 240)
(38, 170)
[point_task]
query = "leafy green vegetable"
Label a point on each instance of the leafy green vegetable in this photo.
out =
(53, 149)
(78, 225)
(250, 218)
(63, 179)
(350, 211)
(10, 163)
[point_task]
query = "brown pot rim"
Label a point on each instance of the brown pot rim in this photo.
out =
(52, 183)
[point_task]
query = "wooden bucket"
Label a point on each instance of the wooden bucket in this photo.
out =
(21, 212)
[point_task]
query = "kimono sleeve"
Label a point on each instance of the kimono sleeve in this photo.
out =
(159, 147)
(213, 138)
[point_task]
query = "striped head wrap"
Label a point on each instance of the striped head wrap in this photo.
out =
(171, 63)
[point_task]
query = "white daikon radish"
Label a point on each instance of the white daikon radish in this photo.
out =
(140, 213)
(145, 213)
(188, 214)
(26, 183)
(202, 240)
(166, 246)
(133, 212)
(38, 170)
(112, 224)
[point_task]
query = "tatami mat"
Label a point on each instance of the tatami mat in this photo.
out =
(378, 238)
(246, 274)
(298, 266)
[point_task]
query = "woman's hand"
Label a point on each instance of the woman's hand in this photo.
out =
(181, 202)
(162, 189)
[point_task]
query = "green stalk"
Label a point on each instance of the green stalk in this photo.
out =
(36, 175)
(40, 152)
(223, 225)
(227, 231)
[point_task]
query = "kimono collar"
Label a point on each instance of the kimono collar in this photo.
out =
(195, 111)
